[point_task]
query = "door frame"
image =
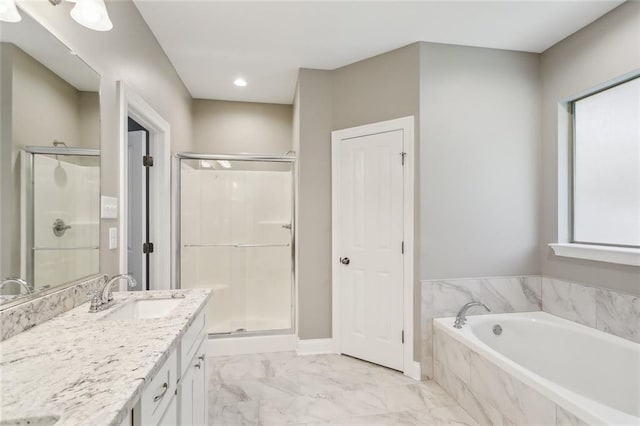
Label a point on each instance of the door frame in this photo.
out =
(132, 105)
(406, 124)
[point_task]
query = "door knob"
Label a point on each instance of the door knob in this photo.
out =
(344, 260)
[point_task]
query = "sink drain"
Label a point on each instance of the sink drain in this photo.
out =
(497, 329)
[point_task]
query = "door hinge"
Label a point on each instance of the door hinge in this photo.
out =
(402, 336)
(147, 161)
(402, 247)
(147, 248)
(402, 155)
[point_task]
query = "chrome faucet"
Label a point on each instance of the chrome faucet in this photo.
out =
(461, 318)
(101, 299)
(106, 293)
(22, 283)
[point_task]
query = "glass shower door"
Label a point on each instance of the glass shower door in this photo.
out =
(63, 230)
(236, 239)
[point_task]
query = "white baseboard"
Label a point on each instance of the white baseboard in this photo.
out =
(414, 371)
(316, 346)
(225, 346)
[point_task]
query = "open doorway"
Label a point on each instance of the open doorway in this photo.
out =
(139, 246)
(145, 181)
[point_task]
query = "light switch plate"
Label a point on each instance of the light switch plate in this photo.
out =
(113, 238)
(108, 207)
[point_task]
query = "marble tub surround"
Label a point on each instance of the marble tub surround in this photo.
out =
(489, 394)
(287, 389)
(21, 317)
(539, 370)
(87, 370)
(610, 311)
(443, 298)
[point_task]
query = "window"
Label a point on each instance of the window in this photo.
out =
(606, 167)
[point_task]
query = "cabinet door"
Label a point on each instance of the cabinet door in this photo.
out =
(200, 397)
(157, 394)
(193, 390)
(170, 416)
(186, 397)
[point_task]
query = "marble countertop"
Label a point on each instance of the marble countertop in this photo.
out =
(86, 370)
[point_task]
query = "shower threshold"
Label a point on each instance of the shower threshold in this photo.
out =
(252, 342)
(248, 333)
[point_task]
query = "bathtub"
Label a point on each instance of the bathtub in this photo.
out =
(586, 373)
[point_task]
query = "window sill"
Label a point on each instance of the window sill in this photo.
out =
(620, 255)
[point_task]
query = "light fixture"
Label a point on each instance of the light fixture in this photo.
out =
(9, 11)
(89, 13)
(92, 14)
(224, 163)
(240, 82)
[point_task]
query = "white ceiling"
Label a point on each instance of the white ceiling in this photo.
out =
(211, 43)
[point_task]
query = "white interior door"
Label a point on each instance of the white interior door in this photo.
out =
(370, 215)
(137, 194)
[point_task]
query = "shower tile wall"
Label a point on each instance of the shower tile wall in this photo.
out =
(71, 192)
(252, 285)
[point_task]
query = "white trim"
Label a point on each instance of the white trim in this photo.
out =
(406, 124)
(132, 105)
(225, 346)
(620, 255)
(316, 346)
(414, 371)
(563, 246)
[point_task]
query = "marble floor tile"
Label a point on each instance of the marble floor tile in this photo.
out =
(286, 389)
(241, 414)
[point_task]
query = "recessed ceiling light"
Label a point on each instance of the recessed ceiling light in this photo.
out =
(240, 82)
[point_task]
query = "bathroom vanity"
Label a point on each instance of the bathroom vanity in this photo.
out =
(141, 361)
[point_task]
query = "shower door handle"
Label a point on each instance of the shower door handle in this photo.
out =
(345, 260)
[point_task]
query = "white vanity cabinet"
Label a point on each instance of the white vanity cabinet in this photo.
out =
(192, 390)
(157, 405)
(192, 386)
(177, 394)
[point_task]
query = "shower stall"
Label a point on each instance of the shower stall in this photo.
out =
(60, 207)
(235, 236)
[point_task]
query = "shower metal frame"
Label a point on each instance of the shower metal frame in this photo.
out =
(28, 191)
(176, 225)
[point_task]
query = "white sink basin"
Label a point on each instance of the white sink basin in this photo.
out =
(143, 308)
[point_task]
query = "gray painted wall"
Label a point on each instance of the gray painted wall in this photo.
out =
(477, 123)
(479, 162)
(241, 127)
(600, 52)
(382, 88)
(376, 89)
(312, 142)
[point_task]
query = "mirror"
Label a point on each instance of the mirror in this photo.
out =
(49, 163)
